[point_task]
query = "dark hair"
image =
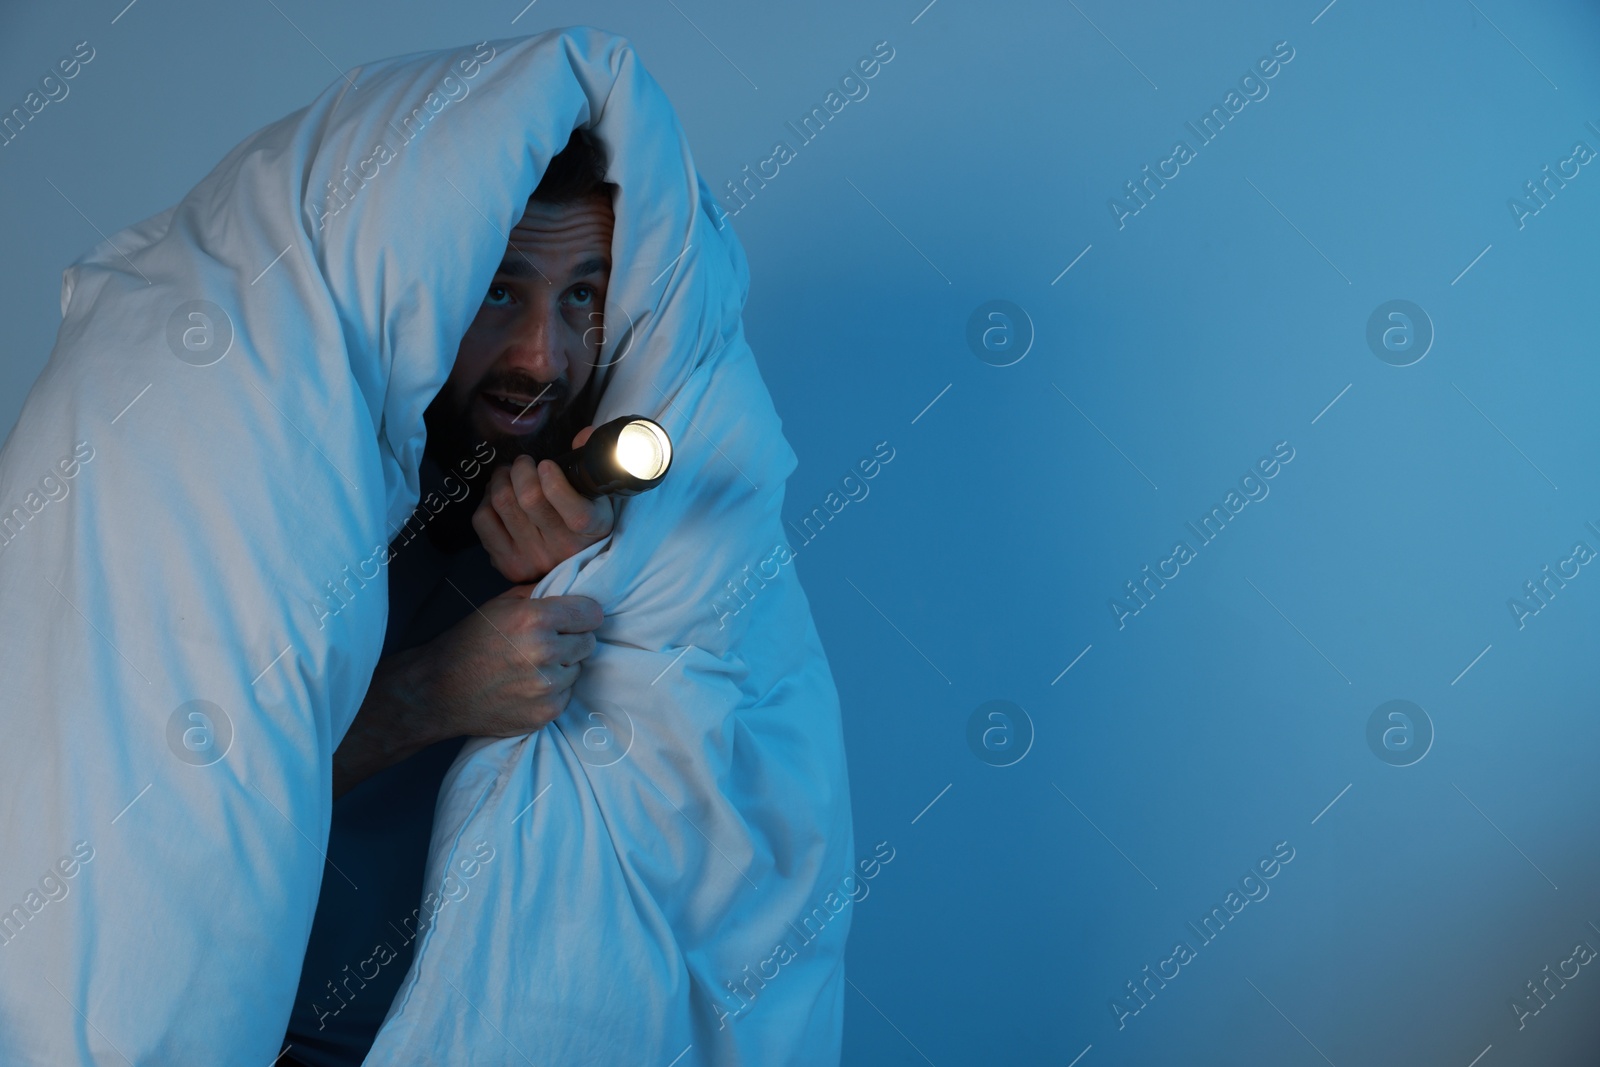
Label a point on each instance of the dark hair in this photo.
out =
(577, 172)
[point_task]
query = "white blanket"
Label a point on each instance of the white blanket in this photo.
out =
(229, 429)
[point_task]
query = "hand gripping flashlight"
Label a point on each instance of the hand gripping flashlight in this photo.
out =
(625, 456)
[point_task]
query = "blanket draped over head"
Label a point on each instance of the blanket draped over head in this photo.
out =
(196, 501)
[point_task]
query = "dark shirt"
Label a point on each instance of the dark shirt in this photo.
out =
(367, 914)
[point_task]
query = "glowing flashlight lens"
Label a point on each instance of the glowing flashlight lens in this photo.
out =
(643, 450)
(627, 455)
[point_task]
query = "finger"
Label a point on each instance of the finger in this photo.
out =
(495, 489)
(491, 532)
(536, 518)
(519, 470)
(536, 670)
(497, 477)
(498, 544)
(553, 678)
(569, 650)
(569, 614)
(583, 436)
(541, 705)
(552, 708)
(590, 518)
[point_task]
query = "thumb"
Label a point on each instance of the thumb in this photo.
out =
(583, 435)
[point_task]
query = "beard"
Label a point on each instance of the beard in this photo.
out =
(453, 442)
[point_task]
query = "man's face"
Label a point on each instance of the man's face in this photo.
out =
(536, 338)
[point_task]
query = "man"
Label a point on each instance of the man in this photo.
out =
(466, 652)
(610, 908)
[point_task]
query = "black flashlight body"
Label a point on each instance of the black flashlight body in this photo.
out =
(594, 470)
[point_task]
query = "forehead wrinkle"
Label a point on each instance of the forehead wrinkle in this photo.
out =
(578, 237)
(586, 231)
(590, 262)
(538, 213)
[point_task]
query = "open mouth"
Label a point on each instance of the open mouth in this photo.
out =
(513, 413)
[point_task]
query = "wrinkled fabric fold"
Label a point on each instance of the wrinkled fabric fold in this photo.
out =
(246, 373)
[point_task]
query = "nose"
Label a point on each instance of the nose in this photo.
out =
(533, 343)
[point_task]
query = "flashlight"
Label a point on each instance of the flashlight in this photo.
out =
(621, 458)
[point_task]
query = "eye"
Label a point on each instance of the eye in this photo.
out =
(497, 296)
(583, 295)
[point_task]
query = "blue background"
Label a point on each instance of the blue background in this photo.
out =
(1220, 320)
